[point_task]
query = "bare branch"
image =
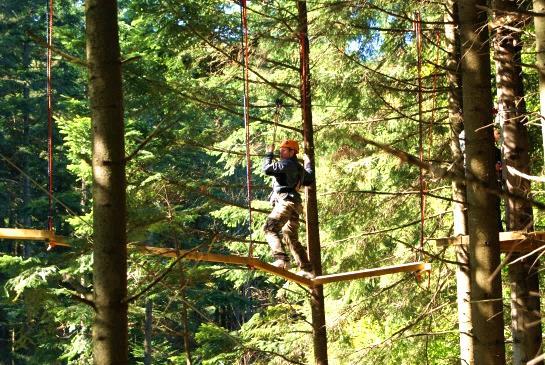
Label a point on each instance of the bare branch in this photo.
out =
(66, 56)
(513, 171)
(511, 12)
(159, 278)
(440, 172)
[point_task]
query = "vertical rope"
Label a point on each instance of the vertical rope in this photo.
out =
(50, 116)
(434, 100)
(418, 31)
(247, 120)
(276, 117)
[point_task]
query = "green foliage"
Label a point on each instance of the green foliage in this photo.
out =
(77, 141)
(186, 180)
(215, 345)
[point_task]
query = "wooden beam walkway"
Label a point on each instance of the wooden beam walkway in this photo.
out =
(54, 240)
(33, 235)
(513, 241)
(288, 275)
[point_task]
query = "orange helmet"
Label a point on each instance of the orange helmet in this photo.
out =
(291, 144)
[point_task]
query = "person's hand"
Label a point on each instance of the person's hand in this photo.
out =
(306, 159)
(270, 148)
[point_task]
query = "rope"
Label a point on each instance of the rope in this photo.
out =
(276, 117)
(244, 15)
(434, 100)
(418, 31)
(50, 116)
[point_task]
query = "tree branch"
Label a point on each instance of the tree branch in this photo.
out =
(159, 278)
(440, 172)
(77, 291)
(68, 57)
(511, 12)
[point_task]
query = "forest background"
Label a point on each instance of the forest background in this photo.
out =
(186, 182)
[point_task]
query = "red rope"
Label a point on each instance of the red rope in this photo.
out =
(434, 102)
(50, 115)
(418, 31)
(247, 120)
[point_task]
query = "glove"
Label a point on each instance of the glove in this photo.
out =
(306, 159)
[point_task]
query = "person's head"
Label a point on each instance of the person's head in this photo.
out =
(288, 149)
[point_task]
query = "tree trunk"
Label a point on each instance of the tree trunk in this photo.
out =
(463, 275)
(484, 248)
(110, 343)
(148, 333)
(312, 225)
(27, 221)
(524, 281)
(539, 23)
(187, 342)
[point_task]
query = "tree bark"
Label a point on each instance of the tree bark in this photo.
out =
(187, 342)
(311, 209)
(148, 333)
(110, 343)
(484, 248)
(463, 275)
(524, 281)
(27, 220)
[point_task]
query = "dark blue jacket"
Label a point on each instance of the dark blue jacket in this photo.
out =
(288, 176)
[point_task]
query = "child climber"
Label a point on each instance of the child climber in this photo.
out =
(283, 222)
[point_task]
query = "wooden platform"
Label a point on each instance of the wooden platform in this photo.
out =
(288, 275)
(33, 235)
(514, 241)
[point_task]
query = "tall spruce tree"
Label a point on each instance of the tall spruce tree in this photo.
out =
(523, 272)
(484, 248)
(110, 343)
(463, 273)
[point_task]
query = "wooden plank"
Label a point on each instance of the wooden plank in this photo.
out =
(521, 241)
(24, 234)
(33, 235)
(226, 259)
(512, 241)
(449, 241)
(194, 255)
(288, 275)
(409, 267)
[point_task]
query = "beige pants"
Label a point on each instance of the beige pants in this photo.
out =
(282, 228)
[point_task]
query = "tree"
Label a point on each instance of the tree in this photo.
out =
(463, 273)
(484, 248)
(110, 343)
(523, 272)
(311, 207)
(539, 23)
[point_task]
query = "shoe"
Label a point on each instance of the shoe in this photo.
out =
(281, 264)
(306, 274)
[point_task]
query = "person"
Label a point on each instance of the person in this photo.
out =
(499, 172)
(497, 154)
(283, 222)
